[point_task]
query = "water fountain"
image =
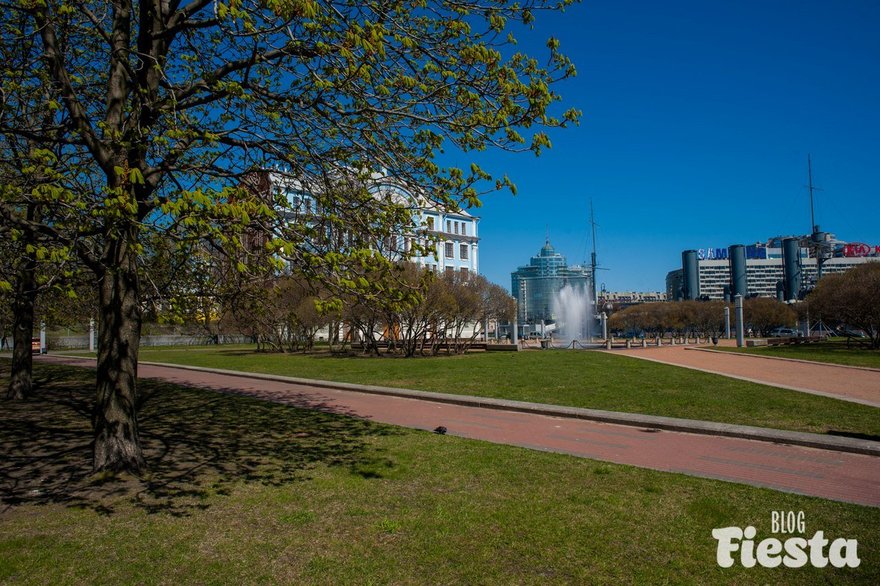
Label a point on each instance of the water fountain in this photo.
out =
(574, 316)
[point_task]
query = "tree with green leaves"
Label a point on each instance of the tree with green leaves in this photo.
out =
(763, 314)
(27, 175)
(850, 300)
(170, 104)
(32, 266)
(18, 271)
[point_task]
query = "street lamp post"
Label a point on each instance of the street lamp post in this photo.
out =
(740, 335)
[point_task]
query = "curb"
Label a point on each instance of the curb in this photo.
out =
(802, 361)
(810, 440)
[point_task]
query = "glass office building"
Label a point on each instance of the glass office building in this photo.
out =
(535, 284)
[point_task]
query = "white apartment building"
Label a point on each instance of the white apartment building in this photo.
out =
(620, 299)
(453, 232)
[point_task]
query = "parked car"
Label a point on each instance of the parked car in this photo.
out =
(852, 333)
(784, 333)
(640, 334)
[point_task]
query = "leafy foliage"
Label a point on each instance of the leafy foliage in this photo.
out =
(448, 310)
(704, 318)
(850, 299)
(681, 317)
(763, 314)
(156, 115)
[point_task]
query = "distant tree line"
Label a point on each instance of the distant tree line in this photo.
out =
(846, 302)
(700, 318)
(424, 313)
(448, 310)
(850, 301)
(418, 312)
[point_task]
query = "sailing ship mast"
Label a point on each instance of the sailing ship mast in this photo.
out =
(593, 264)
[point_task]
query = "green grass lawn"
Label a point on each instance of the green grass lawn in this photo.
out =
(582, 379)
(834, 352)
(244, 491)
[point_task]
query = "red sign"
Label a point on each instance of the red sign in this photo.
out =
(860, 249)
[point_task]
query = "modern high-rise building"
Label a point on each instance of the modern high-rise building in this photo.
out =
(783, 267)
(535, 285)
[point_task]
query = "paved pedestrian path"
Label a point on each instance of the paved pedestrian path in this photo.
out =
(841, 382)
(816, 472)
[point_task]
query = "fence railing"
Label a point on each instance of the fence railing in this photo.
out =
(81, 342)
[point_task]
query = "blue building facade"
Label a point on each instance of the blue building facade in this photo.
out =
(535, 285)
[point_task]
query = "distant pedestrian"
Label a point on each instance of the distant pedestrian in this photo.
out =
(714, 340)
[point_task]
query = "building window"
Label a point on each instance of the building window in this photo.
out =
(450, 251)
(431, 224)
(464, 272)
(449, 270)
(463, 251)
(456, 227)
(463, 229)
(449, 226)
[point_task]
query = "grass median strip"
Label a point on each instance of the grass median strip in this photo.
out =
(831, 352)
(245, 491)
(593, 380)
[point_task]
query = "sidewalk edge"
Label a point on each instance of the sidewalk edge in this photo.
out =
(810, 440)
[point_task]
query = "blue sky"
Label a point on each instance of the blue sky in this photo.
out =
(698, 118)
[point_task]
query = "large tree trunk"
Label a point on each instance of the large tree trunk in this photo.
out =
(117, 444)
(21, 379)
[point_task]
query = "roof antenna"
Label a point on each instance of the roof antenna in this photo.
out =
(817, 238)
(813, 227)
(593, 254)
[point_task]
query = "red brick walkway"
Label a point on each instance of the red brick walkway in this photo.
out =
(850, 384)
(834, 475)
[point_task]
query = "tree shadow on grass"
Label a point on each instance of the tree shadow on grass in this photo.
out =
(855, 435)
(197, 442)
(242, 352)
